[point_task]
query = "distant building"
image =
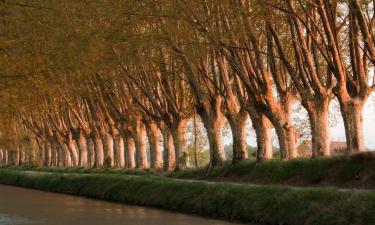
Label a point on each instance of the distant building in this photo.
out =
(337, 148)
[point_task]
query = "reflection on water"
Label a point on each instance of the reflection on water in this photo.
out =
(7, 220)
(20, 206)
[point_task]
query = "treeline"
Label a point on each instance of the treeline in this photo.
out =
(97, 83)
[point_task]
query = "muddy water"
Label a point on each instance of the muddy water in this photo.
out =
(19, 206)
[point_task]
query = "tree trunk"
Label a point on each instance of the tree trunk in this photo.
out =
(108, 144)
(67, 161)
(90, 152)
(6, 157)
(320, 137)
(40, 152)
(169, 152)
(214, 128)
(153, 134)
(352, 115)
(53, 154)
(213, 120)
(282, 138)
(196, 160)
(72, 150)
(262, 127)
(60, 155)
(129, 152)
(178, 132)
(82, 148)
(140, 145)
(98, 151)
(291, 138)
(238, 127)
(2, 157)
(47, 154)
(120, 151)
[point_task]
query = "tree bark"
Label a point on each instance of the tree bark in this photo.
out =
(60, 155)
(108, 144)
(286, 105)
(67, 161)
(129, 152)
(6, 157)
(213, 120)
(353, 121)
(53, 154)
(196, 160)
(140, 145)
(169, 152)
(72, 150)
(178, 132)
(120, 151)
(238, 127)
(153, 134)
(2, 157)
(90, 151)
(214, 127)
(318, 118)
(82, 146)
(47, 154)
(262, 127)
(98, 152)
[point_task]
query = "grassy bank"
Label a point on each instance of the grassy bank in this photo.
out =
(265, 205)
(356, 171)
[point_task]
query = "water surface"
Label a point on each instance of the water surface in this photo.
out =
(19, 206)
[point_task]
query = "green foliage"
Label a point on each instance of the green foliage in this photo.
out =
(263, 205)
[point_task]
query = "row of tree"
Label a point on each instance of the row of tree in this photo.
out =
(102, 83)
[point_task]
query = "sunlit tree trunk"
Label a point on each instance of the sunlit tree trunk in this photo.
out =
(213, 120)
(318, 118)
(6, 157)
(140, 144)
(72, 150)
(154, 138)
(82, 146)
(98, 151)
(108, 144)
(120, 151)
(178, 132)
(2, 157)
(353, 121)
(129, 152)
(286, 105)
(238, 127)
(262, 127)
(67, 160)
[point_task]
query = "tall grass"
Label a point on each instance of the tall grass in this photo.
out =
(264, 205)
(356, 171)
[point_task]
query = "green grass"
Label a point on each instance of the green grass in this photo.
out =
(355, 171)
(266, 205)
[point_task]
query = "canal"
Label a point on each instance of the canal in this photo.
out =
(19, 206)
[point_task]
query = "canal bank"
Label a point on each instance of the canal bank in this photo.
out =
(262, 205)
